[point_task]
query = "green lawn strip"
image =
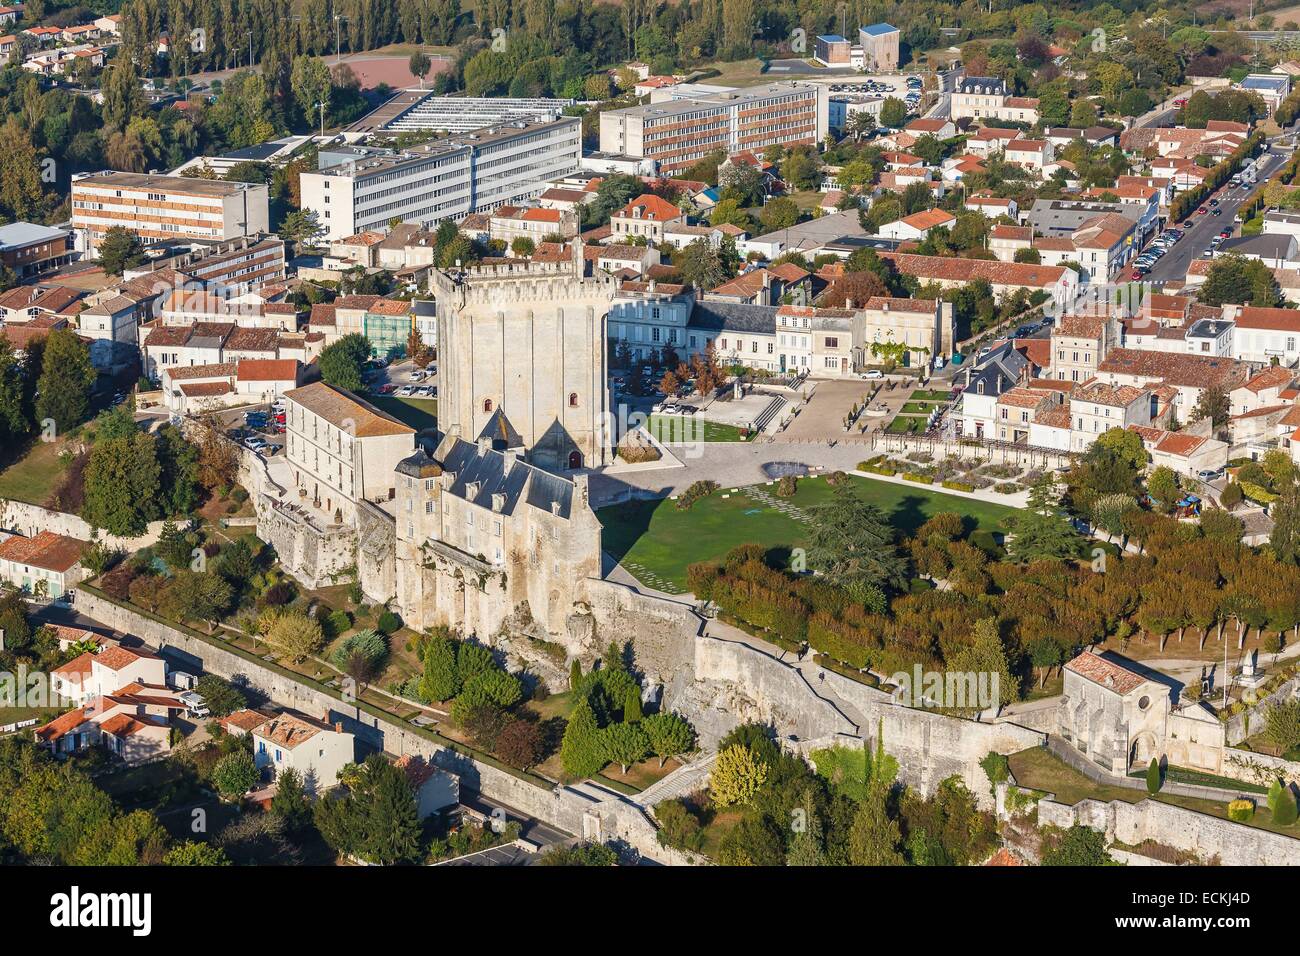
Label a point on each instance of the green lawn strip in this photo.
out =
(905, 424)
(680, 428)
(420, 413)
(930, 395)
(656, 538)
(918, 408)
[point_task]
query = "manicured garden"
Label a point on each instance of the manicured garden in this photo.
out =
(656, 540)
(906, 424)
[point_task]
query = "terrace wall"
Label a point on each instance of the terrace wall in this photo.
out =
(1234, 844)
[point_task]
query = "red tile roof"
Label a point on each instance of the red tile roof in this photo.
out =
(47, 550)
(1107, 673)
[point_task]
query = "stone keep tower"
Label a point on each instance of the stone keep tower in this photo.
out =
(526, 341)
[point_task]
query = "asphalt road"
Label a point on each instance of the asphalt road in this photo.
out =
(1172, 267)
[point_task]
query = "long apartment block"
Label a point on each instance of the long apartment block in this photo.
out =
(165, 207)
(450, 178)
(691, 122)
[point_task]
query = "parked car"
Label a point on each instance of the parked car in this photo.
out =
(873, 373)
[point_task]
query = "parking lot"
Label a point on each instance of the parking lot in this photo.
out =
(403, 379)
(259, 428)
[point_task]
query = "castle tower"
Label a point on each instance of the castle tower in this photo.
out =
(525, 342)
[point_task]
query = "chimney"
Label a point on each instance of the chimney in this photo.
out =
(484, 443)
(885, 306)
(555, 506)
(338, 726)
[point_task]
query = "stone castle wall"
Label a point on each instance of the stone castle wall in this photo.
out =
(1233, 843)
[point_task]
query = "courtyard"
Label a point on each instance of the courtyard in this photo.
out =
(656, 541)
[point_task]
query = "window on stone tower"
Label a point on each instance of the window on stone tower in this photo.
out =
(573, 399)
(487, 404)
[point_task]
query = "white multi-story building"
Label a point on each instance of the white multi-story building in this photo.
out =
(340, 449)
(1265, 335)
(447, 179)
(1099, 407)
(165, 207)
(694, 121)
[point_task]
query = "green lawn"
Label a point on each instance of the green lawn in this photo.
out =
(930, 395)
(678, 428)
(34, 476)
(906, 423)
(656, 541)
(918, 408)
(419, 413)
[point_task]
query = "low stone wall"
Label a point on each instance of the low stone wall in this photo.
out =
(31, 520)
(596, 814)
(1259, 769)
(1234, 844)
(1242, 725)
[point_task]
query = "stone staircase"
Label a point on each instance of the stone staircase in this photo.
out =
(769, 414)
(686, 779)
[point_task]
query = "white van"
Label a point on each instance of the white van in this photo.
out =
(195, 705)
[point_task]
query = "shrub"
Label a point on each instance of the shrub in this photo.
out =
(1284, 814)
(697, 490)
(1153, 776)
(1257, 493)
(338, 622)
(958, 485)
(389, 622)
(371, 646)
(277, 595)
(919, 478)
(787, 486)
(1240, 811)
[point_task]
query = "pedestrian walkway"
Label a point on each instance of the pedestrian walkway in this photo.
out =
(767, 499)
(685, 780)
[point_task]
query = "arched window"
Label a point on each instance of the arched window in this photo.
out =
(575, 459)
(487, 404)
(573, 399)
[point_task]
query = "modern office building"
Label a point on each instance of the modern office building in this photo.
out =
(165, 207)
(678, 132)
(447, 179)
(832, 50)
(879, 47)
(426, 110)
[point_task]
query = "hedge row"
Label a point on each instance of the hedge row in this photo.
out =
(1219, 174)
